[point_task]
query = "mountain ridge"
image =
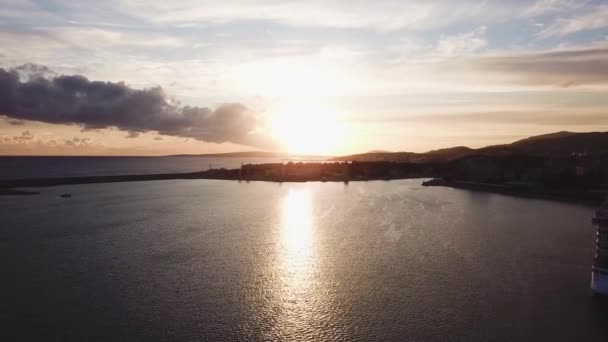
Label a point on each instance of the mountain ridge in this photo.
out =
(558, 144)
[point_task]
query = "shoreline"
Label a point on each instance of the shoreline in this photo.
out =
(16, 192)
(570, 195)
(8, 187)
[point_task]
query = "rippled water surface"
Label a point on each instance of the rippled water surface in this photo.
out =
(205, 260)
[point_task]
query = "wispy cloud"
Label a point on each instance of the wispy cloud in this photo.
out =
(108, 38)
(30, 143)
(381, 15)
(560, 68)
(547, 7)
(463, 44)
(25, 136)
(595, 18)
(570, 119)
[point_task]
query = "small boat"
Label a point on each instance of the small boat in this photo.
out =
(65, 195)
(601, 215)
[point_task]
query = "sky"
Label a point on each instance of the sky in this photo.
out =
(156, 77)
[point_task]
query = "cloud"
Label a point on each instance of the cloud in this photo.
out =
(585, 69)
(526, 117)
(29, 93)
(11, 121)
(384, 15)
(25, 137)
(465, 43)
(105, 38)
(595, 18)
(558, 68)
(28, 143)
(546, 7)
(78, 142)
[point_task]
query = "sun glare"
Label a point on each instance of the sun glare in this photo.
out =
(304, 77)
(303, 128)
(298, 117)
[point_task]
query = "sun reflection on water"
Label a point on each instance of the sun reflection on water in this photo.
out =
(297, 260)
(296, 225)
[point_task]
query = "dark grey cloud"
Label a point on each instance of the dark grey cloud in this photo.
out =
(35, 70)
(31, 92)
(559, 68)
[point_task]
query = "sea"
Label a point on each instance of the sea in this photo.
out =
(24, 167)
(217, 260)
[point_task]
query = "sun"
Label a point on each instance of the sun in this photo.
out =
(295, 92)
(306, 128)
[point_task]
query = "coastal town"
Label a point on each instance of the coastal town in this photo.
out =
(578, 177)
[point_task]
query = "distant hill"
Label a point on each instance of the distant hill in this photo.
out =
(449, 153)
(552, 145)
(555, 135)
(379, 151)
(378, 156)
(564, 143)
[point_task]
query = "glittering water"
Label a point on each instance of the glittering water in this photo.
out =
(206, 260)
